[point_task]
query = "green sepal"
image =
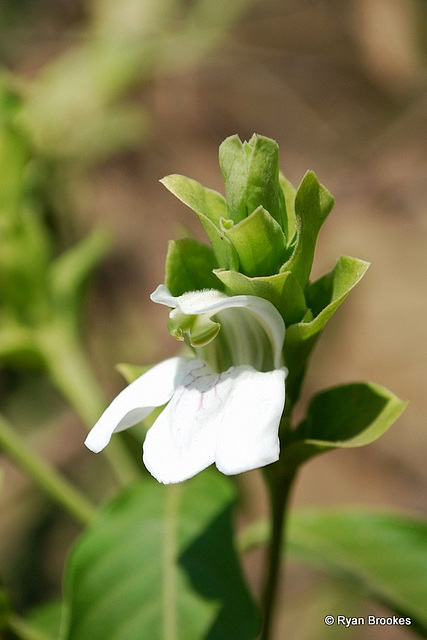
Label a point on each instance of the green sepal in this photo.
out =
(326, 294)
(343, 417)
(281, 289)
(259, 242)
(313, 203)
(189, 267)
(251, 176)
(210, 207)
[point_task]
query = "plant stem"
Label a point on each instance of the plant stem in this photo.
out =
(24, 630)
(73, 377)
(50, 480)
(279, 483)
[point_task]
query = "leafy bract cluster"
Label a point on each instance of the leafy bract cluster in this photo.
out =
(247, 294)
(263, 235)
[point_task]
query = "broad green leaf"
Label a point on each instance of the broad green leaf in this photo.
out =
(259, 242)
(281, 289)
(251, 176)
(159, 563)
(327, 294)
(385, 555)
(350, 415)
(313, 203)
(210, 207)
(189, 267)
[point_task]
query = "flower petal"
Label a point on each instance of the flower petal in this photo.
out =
(211, 301)
(230, 418)
(252, 405)
(182, 441)
(136, 401)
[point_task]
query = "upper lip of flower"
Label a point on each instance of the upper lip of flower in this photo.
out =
(209, 302)
(230, 418)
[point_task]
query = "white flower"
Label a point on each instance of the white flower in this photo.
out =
(230, 418)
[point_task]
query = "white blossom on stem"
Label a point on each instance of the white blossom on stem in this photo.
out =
(230, 418)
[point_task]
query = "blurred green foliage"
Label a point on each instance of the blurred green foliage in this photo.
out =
(74, 106)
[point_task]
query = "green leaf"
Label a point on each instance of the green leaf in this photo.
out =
(325, 295)
(189, 267)
(313, 203)
(342, 417)
(210, 207)
(386, 554)
(259, 242)
(281, 289)
(251, 176)
(159, 563)
(383, 554)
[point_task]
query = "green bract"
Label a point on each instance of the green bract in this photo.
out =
(251, 175)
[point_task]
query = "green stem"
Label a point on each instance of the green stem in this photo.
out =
(73, 377)
(24, 630)
(46, 476)
(279, 483)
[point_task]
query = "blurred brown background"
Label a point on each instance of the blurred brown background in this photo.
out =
(342, 86)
